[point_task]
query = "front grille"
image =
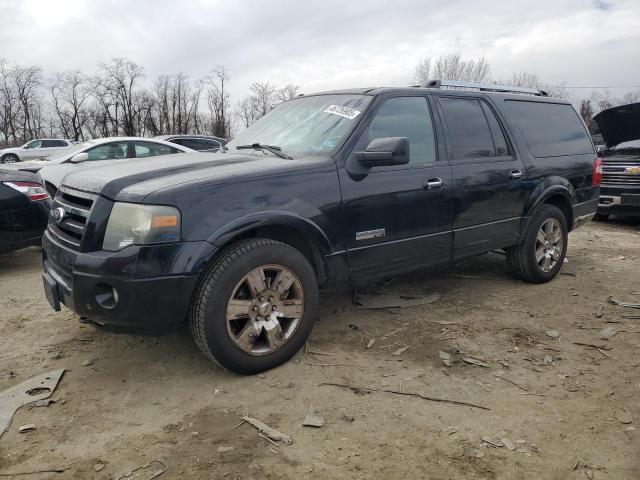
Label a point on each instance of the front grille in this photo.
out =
(620, 170)
(77, 207)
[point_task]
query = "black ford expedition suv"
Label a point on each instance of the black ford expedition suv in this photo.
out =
(620, 191)
(325, 189)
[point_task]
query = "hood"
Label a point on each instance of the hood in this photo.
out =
(10, 150)
(134, 179)
(619, 124)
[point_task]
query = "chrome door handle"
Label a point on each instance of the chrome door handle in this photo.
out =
(515, 174)
(433, 184)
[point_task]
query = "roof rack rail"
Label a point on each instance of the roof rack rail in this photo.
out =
(484, 87)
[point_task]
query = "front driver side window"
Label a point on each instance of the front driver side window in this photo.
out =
(404, 117)
(108, 151)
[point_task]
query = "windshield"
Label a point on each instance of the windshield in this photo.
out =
(313, 125)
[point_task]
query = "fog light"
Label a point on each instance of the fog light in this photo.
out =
(106, 296)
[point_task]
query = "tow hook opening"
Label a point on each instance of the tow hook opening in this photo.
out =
(106, 296)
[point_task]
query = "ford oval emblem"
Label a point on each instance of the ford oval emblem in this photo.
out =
(58, 214)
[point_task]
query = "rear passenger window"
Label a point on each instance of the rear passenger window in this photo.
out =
(550, 129)
(405, 117)
(497, 133)
(470, 134)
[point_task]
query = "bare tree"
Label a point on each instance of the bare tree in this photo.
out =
(70, 93)
(586, 112)
(452, 67)
(119, 84)
(218, 102)
(288, 92)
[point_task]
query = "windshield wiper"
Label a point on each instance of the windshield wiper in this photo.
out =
(269, 148)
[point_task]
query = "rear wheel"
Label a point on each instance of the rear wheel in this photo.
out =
(539, 256)
(255, 307)
(10, 158)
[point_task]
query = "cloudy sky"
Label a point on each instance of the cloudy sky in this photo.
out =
(331, 43)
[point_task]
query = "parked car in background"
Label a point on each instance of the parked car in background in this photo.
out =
(97, 152)
(620, 189)
(325, 189)
(201, 143)
(24, 210)
(41, 148)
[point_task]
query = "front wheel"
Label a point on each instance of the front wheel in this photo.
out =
(255, 307)
(539, 256)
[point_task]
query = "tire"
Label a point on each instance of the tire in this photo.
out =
(10, 158)
(601, 217)
(522, 260)
(227, 279)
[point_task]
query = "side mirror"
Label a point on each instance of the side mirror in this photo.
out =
(600, 149)
(80, 157)
(385, 152)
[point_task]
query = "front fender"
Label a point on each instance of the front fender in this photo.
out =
(267, 219)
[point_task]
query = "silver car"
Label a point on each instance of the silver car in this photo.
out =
(35, 149)
(97, 152)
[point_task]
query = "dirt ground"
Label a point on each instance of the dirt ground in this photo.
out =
(562, 407)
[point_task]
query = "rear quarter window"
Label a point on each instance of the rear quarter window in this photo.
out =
(550, 129)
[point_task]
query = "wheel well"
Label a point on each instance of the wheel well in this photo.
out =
(294, 237)
(563, 204)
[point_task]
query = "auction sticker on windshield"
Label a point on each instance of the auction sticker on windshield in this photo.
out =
(346, 112)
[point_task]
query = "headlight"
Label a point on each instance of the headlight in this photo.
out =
(135, 224)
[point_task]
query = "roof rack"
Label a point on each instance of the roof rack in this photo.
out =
(484, 87)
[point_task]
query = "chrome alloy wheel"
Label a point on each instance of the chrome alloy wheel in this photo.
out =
(549, 244)
(265, 309)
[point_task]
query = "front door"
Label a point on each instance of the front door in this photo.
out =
(490, 178)
(398, 218)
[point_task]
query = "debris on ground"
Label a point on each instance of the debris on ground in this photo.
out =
(273, 434)
(32, 472)
(623, 416)
(87, 363)
(389, 300)
(225, 448)
(371, 342)
(161, 467)
(552, 333)
(31, 390)
(613, 301)
(475, 361)
(400, 350)
(362, 390)
(45, 402)
(599, 311)
(98, 467)
(445, 357)
(26, 428)
(491, 442)
(508, 444)
(312, 419)
(608, 332)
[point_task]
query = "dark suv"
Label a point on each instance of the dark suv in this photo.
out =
(620, 192)
(325, 189)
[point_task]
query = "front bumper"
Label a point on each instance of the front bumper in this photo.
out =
(138, 286)
(616, 205)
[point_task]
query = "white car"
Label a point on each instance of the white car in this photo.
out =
(40, 148)
(97, 152)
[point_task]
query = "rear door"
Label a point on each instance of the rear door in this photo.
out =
(489, 177)
(397, 218)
